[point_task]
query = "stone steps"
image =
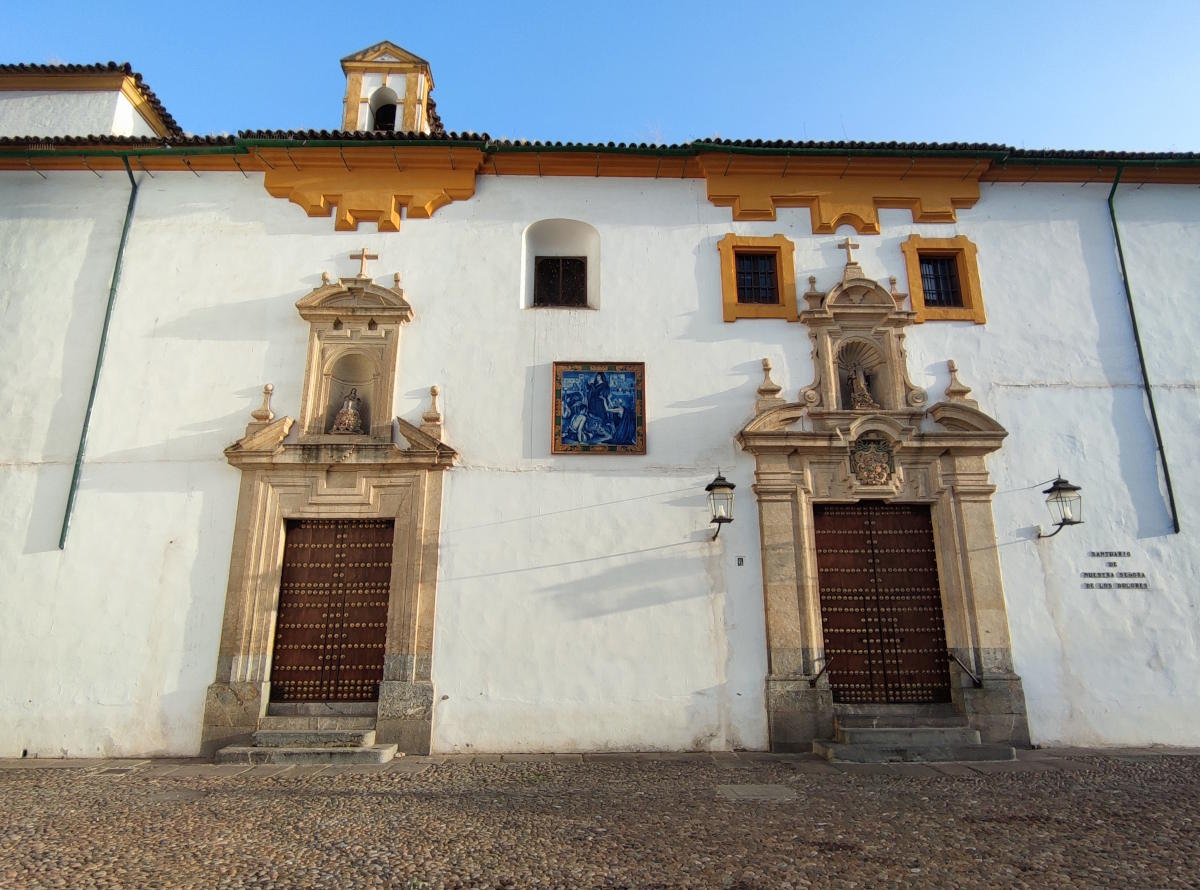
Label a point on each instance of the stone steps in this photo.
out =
(914, 716)
(311, 740)
(323, 709)
(900, 736)
(307, 755)
(309, 723)
(918, 733)
(926, 753)
(889, 721)
(314, 738)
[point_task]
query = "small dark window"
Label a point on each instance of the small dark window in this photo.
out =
(757, 281)
(385, 117)
(939, 281)
(560, 281)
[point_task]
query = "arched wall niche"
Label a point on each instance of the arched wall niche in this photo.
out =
(560, 238)
(353, 371)
(860, 367)
(384, 104)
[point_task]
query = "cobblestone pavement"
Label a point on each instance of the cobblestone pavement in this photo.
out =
(1054, 818)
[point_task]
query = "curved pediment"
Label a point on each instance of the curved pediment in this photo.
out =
(355, 297)
(879, 425)
(776, 419)
(961, 417)
(859, 292)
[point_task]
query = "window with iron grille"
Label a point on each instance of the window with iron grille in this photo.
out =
(560, 281)
(939, 281)
(757, 277)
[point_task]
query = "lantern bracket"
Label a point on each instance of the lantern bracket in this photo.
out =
(1061, 492)
(1058, 526)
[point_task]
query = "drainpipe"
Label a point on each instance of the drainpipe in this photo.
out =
(112, 296)
(1137, 339)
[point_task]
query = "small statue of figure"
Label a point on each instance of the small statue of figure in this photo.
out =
(860, 396)
(349, 418)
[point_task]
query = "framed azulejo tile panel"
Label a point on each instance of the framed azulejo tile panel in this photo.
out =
(599, 408)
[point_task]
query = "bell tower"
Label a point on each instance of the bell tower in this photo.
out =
(387, 88)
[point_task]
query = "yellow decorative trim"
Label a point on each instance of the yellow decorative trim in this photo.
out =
(353, 98)
(785, 273)
(81, 83)
(377, 187)
(964, 253)
(841, 191)
(411, 102)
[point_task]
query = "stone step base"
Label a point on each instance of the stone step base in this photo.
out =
(310, 723)
(323, 709)
(890, 721)
(307, 756)
(863, 753)
(901, 736)
(314, 738)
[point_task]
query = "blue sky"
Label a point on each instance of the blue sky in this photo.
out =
(1076, 75)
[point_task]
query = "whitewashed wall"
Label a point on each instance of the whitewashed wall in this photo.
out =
(128, 121)
(581, 605)
(69, 113)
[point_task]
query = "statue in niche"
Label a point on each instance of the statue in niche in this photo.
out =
(349, 417)
(860, 395)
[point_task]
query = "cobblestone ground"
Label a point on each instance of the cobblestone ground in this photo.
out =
(1071, 818)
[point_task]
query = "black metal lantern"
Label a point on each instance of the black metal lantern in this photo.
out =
(720, 501)
(1065, 505)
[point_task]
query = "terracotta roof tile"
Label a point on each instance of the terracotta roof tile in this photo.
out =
(999, 154)
(49, 143)
(361, 136)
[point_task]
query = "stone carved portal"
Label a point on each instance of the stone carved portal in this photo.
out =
(862, 432)
(389, 470)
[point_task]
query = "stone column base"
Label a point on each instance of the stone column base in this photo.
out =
(231, 714)
(797, 714)
(405, 715)
(996, 709)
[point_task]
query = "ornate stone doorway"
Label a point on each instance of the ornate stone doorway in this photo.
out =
(862, 432)
(881, 604)
(350, 468)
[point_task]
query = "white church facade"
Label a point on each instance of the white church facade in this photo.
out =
(416, 428)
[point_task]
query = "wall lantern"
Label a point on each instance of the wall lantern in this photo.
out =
(1065, 503)
(720, 501)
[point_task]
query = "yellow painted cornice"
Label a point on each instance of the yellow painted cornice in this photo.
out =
(375, 185)
(379, 177)
(841, 191)
(79, 83)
